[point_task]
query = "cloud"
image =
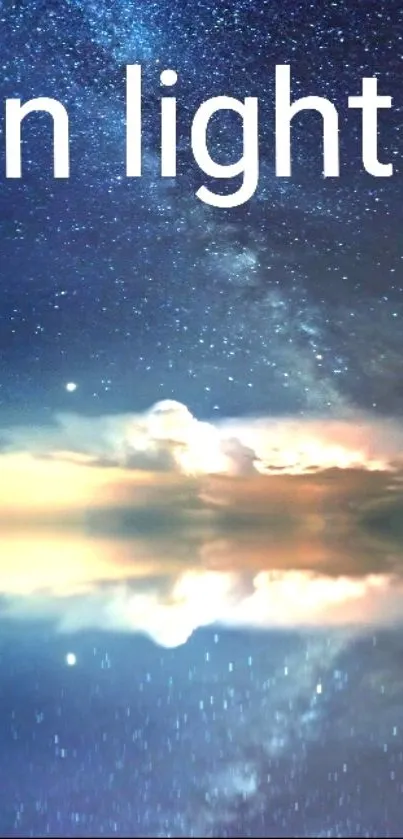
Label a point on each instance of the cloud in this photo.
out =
(169, 437)
(159, 523)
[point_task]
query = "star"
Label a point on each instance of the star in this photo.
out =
(71, 659)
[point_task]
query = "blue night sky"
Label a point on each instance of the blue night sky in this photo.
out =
(137, 291)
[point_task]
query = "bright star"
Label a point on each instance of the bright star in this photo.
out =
(71, 387)
(71, 659)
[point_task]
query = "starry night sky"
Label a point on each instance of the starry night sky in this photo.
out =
(135, 290)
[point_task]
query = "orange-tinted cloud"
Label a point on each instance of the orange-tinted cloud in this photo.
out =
(158, 523)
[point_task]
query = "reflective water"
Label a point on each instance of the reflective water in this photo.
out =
(211, 658)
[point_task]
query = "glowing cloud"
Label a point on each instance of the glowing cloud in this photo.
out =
(161, 524)
(168, 437)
